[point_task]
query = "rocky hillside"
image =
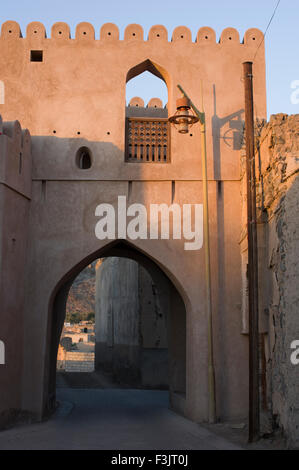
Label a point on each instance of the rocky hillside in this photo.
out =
(81, 297)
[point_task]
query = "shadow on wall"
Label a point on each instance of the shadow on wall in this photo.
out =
(230, 130)
(232, 135)
(74, 158)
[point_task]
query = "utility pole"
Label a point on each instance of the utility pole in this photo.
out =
(254, 412)
(211, 368)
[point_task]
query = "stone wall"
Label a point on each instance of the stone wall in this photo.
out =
(75, 361)
(15, 195)
(277, 168)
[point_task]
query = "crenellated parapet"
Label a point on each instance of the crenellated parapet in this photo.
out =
(69, 84)
(139, 103)
(133, 32)
(154, 109)
(15, 157)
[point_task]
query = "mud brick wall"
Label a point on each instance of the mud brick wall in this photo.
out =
(277, 172)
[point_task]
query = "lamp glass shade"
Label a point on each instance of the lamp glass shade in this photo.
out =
(183, 127)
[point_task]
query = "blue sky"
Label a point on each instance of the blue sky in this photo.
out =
(281, 40)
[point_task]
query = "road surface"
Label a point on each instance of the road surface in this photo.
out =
(113, 419)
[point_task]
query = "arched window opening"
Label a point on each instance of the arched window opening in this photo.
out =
(83, 158)
(147, 127)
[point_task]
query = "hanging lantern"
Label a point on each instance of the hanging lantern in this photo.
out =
(183, 119)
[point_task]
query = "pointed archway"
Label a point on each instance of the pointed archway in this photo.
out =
(176, 322)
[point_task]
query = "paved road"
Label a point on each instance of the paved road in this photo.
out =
(113, 419)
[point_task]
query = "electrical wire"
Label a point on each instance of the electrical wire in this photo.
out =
(271, 19)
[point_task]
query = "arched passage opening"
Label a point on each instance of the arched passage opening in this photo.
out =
(147, 127)
(168, 296)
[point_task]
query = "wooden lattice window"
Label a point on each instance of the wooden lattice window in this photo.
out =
(147, 140)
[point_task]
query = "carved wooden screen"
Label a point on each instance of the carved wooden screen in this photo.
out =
(147, 140)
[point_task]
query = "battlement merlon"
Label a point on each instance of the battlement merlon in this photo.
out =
(15, 158)
(36, 31)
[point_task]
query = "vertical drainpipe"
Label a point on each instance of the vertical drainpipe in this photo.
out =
(254, 415)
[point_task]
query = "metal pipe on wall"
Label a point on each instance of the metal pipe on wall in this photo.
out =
(254, 412)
